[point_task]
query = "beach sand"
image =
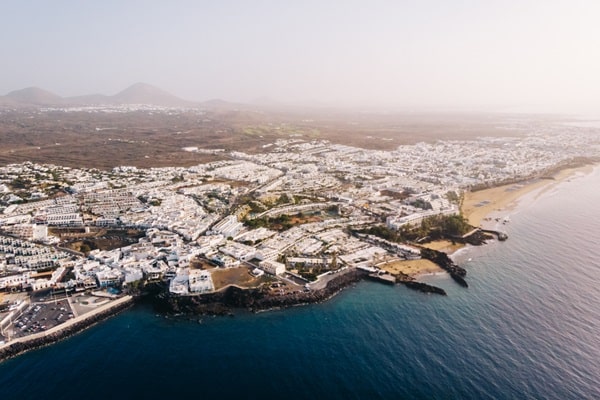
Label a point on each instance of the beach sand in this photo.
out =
(444, 245)
(411, 267)
(498, 201)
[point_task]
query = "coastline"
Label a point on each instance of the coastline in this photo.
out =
(253, 300)
(69, 328)
(500, 201)
(482, 207)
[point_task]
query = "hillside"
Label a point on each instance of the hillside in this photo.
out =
(35, 96)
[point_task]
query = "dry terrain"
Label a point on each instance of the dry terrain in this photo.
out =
(156, 138)
(239, 276)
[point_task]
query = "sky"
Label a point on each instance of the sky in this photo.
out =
(522, 55)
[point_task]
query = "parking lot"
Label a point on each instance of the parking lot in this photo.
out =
(39, 317)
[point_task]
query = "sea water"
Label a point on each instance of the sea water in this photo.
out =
(527, 327)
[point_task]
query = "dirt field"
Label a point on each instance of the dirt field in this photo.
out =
(239, 276)
(142, 139)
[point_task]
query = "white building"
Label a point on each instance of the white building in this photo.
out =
(228, 226)
(200, 281)
(394, 222)
(179, 285)
(238, 251)
(272, 267)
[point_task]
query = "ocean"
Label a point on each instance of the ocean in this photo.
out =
(526, 328)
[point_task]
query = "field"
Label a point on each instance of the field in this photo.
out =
(155, 139)
(239, 276)
(96, 238)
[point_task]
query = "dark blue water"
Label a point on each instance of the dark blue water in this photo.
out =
(527, 327)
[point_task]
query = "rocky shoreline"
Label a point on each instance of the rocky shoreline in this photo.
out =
(222, 303)
(254, 300)
(423, 287)
(21, 346)
(440, 258)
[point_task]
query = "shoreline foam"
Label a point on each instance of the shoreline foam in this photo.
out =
(500, 201)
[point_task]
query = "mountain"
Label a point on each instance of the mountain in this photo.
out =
(7, 101)
(139, 93)
(36, 96)
(142, 93)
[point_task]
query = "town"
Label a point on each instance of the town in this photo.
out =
(73, 240)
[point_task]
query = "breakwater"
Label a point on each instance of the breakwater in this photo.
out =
(440, 258)
(423, 287)
(502, 236)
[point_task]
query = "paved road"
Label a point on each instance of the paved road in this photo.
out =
(322, 282)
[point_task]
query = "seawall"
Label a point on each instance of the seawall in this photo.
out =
(70, 327)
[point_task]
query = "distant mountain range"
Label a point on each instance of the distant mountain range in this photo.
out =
(139, 93)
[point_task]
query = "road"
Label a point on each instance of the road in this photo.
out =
(324, 280)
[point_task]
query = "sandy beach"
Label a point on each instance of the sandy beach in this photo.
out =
(411, 267)
(498, 201)
(444, 245)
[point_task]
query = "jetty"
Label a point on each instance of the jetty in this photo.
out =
(501, 236)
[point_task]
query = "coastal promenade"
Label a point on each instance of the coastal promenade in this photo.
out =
(68, 328)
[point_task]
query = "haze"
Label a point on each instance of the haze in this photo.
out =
(527, 55)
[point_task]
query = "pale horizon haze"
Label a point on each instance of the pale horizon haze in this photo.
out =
(532, 56)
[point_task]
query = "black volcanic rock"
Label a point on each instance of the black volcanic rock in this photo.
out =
(440, 258)
(224, 301)
(423, 287)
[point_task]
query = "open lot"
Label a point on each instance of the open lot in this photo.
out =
(83, 303)
(239, 276)
(39, 317)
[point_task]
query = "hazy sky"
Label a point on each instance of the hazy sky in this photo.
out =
(540, 55)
